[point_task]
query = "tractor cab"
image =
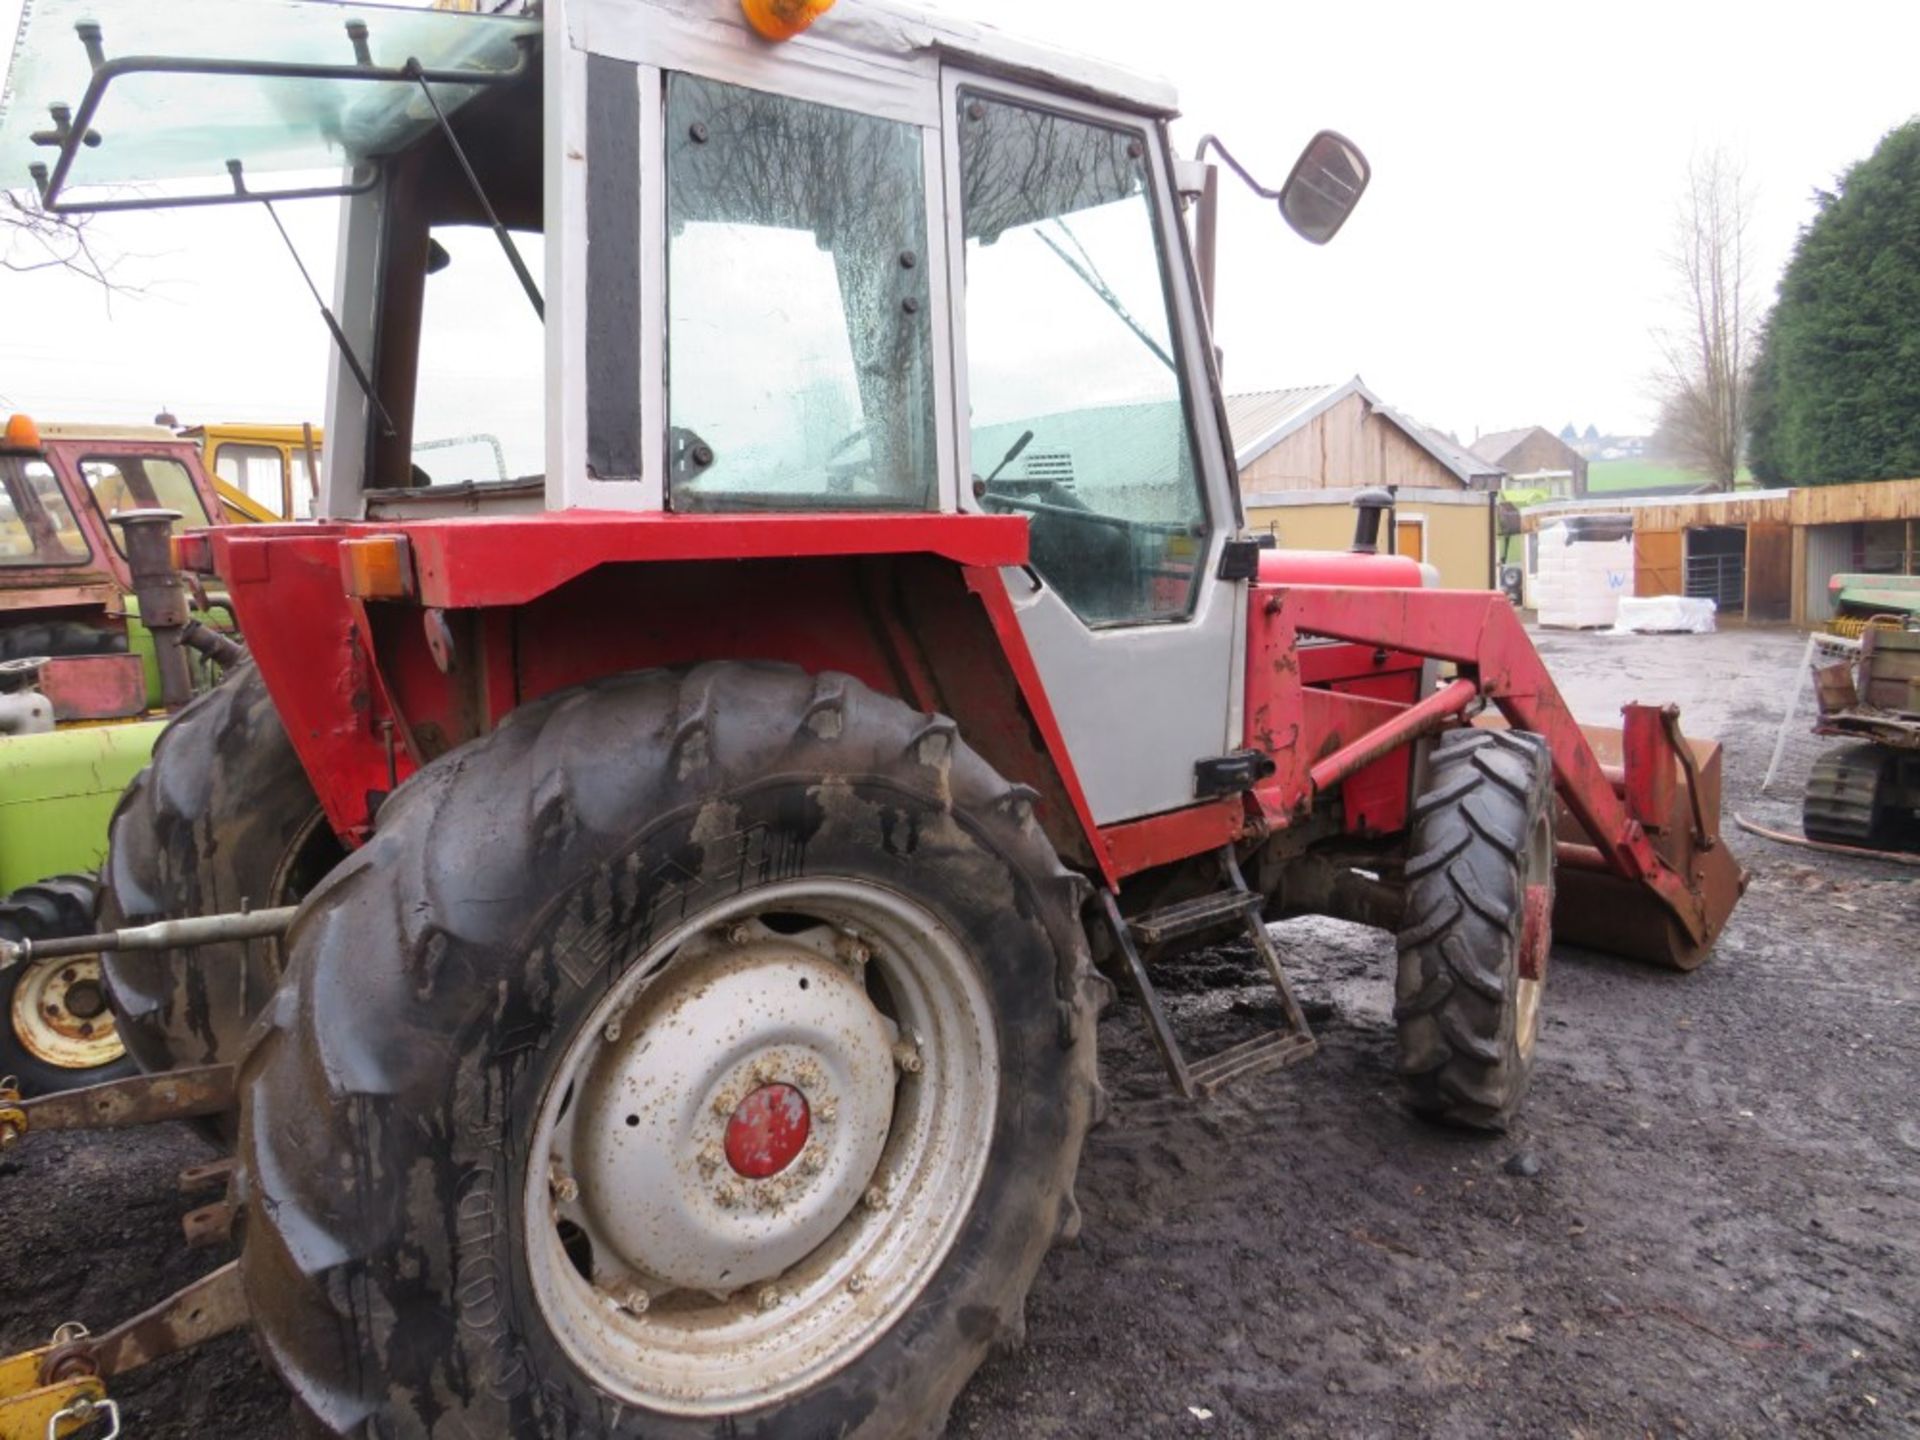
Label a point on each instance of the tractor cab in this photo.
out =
(67, 590)
(880, 268)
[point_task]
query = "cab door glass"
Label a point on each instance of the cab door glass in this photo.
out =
(800, 358)
(1078, 405)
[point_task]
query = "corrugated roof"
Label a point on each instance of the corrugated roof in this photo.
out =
(1457, 458)
(1261, 419)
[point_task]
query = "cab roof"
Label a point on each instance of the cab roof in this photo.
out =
(901, 31)
(82, 430)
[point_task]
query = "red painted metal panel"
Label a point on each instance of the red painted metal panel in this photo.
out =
(1339, 567)
(366, 700)
(1161, 839)
(1373, 800)
(1324, 664)
(95, 687)
(511, 559)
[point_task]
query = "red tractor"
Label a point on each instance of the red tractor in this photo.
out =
(739, 809)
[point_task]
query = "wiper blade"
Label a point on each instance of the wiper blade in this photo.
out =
(1091, 279)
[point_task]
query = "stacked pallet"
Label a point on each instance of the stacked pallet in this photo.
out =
(1579, 580)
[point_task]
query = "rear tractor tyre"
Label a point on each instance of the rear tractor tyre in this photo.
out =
(56, 1030)
(1477, 927)
(1846, 801)
(716, 1060)
(224, 818)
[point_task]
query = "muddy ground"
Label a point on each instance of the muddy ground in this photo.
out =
(1722, 1236)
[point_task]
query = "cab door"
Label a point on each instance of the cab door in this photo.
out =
(1085, 405)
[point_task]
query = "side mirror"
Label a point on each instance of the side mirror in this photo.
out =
(1327, 182)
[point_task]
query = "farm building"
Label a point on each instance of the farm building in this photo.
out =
(1765, 554)
(1535, 457)
(1871, 528)
(1304, 454)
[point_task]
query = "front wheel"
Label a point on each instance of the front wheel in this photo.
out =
(701, 1054)
(1477, 927)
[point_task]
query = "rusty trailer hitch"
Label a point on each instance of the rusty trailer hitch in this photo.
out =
(58, 1389)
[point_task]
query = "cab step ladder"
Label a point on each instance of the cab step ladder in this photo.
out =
(1234, 905)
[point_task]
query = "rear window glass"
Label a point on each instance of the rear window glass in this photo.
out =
(37, 526)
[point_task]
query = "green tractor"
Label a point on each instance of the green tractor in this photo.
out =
(85, 519)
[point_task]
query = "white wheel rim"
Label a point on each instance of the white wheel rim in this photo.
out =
(692, 1288)
(61, 1016)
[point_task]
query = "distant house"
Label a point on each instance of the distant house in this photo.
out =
(1534, 454)
(1303, 454)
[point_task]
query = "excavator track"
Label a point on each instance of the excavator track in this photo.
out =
(1844, 802)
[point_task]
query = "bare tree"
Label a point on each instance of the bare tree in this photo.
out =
(1705, 364)
(31, 239)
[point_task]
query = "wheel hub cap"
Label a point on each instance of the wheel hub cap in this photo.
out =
(737, 1118)
(768, 1130)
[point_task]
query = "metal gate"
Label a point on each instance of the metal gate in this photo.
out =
(1719, 578)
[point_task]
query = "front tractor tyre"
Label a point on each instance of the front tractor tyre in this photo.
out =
(703, 1053)
(56, 1030)
(1477, 927)
(223, 819)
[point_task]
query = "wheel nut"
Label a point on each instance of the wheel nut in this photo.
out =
(769, 1298)
(738, 934)
(612, 1032)
(875, 1198)
(566, 1189)
(636, 1302)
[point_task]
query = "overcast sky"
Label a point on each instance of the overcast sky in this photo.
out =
(1505, 269)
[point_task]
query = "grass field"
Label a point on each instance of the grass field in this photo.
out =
(1606, 477)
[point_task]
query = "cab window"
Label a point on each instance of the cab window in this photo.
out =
(1078, 406)
(254, 470)
(800, 359)
(479, 404)
(142, 482)
(37, 526)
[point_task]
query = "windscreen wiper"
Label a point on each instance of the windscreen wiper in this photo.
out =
(1090, 277)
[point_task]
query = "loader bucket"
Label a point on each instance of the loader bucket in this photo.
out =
(1679, 807)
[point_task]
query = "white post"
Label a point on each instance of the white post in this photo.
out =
(1793, 706)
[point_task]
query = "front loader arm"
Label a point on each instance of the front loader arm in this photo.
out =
(1481, 633)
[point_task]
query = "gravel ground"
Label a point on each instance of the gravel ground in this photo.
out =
(1707, 1223)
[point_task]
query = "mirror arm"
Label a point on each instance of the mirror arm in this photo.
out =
(1212, 142)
